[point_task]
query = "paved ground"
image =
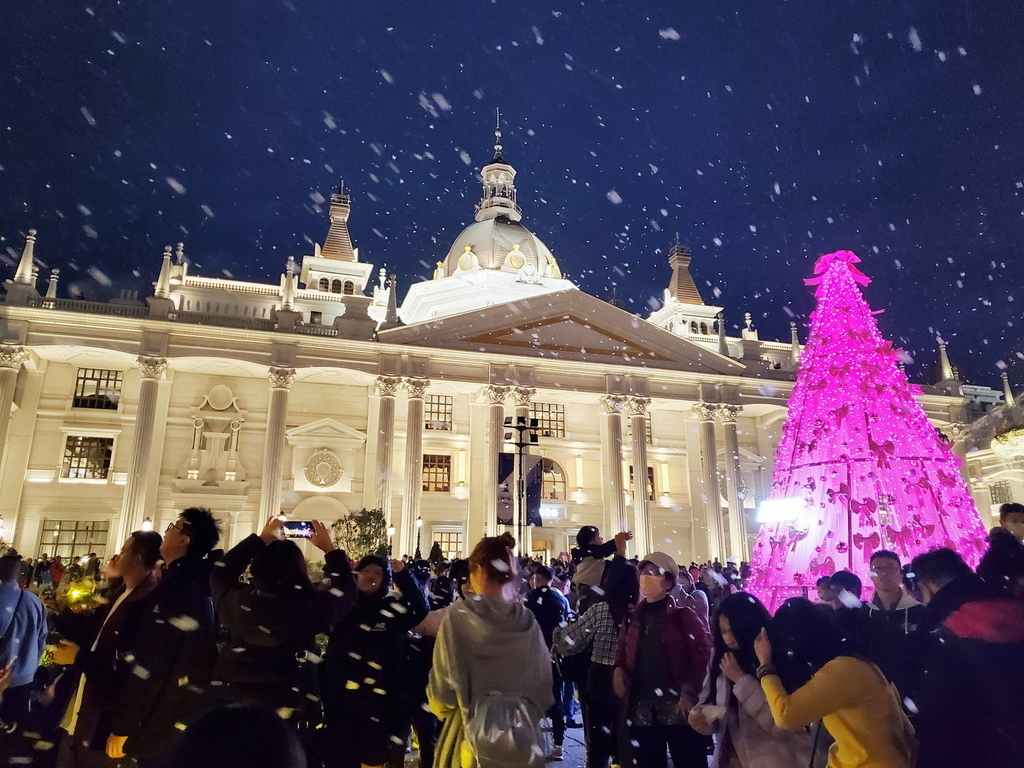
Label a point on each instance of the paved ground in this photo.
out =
(573, 751)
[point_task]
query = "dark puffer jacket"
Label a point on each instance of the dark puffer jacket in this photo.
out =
(967, 690)
(270, 654)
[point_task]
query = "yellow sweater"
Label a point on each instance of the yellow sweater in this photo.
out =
(859, 707)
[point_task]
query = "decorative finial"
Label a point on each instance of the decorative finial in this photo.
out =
(51, 288)
(290, 266)
(179, 253)
(25, 265)
(498, 158)
(748, 320)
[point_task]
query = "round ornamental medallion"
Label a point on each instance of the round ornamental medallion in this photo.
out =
(323, 469)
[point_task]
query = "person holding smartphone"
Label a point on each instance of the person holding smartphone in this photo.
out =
(272, 621)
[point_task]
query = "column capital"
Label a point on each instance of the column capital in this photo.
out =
(386, 386)
(493, 394)
(281, 378)
(151, 367)
(954, 431)
(521, 396)
(728, 413)
(415, 387)
(636, 405)
(703, 411)
(613, 403)
(12, 356)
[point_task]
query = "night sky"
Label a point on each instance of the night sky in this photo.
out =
(764, 133)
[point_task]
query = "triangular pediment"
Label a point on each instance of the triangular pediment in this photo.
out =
(568, 325)
(326, 430)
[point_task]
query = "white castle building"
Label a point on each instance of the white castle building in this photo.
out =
(322, 395)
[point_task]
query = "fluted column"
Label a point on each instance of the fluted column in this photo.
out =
(413, 489)
(521, 397)
(727, 416)
(643, 536)
(611, 465)
(133, 504)
(384, 389)
(494, 397)
(705, 414)
(280, 380)
(11, 358)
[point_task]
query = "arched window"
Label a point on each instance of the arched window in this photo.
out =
(324, 284)
(336, 286)
(704, 328)
(552, 484)
(350, 288)
(693, 327)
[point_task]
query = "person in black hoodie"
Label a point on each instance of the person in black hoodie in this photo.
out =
(551, 610)
(271, 622)
(172, 650)
(364, 666)
(966, 696)
(1002, 565)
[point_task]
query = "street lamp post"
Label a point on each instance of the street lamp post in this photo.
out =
(391, 540)
(522, 433)
(419, 533)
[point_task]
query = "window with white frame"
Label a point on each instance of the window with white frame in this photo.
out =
(73, 538)
(550, 419)
(87, 458)
(437, 411)
(1002, 492)
(450, 543)
(437, 472)
(552, 481)
(97, 388)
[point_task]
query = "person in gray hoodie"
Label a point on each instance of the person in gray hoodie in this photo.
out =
(490, 682)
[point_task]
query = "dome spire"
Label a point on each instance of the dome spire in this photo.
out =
(499, 197)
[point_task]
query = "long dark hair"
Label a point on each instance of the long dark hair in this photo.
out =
(280, 567)
(805, 637)
(747, 617)
(621, 586)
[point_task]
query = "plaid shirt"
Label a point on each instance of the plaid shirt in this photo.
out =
(594, 629)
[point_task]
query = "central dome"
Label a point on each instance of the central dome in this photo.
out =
(500, 244)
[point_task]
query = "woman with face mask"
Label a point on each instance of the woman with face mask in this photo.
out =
(732, 706)
(659, 670)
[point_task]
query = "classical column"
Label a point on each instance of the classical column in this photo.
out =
(413, 489)
(280, 380)
(11, 358)
(384, 389)
(133, 505)
(727, 416)
(494, 397)
(705, 414)
(611, 461)
(521, 397)
(643, 536)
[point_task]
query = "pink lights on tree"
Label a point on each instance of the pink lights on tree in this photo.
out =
(859, 467)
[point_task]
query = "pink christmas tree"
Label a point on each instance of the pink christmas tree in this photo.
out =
(859, 467)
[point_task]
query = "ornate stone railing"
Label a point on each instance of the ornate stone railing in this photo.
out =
(91, 307)
(228, 321)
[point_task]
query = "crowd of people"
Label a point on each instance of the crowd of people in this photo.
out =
(179, 654)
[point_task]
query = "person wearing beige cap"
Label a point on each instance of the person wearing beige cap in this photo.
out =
(662, 658)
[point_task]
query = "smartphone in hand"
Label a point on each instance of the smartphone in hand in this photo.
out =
(298, 529)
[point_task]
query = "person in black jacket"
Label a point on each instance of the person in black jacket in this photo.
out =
(271, 623)
(1002, 565)
(363, 666)
(170, 657)
(551, 610)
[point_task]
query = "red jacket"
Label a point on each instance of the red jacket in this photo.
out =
(686, 647)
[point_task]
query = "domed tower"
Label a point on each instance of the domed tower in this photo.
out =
(494, 260)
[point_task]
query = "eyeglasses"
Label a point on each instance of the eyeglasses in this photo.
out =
(175, 524)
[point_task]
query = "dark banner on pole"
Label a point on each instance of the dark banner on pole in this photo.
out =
(507, 489)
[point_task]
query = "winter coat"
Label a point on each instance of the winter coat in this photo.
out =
(589, 563)
(887, 636)
(747, 737)
(484, 645)
(1003, 562)
(168, 652)
(550, 608)
(27, 629)
(686, 648)
(858, 706)
(967, 693)
(268, 632)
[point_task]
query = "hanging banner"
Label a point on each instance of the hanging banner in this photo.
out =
(507, 489)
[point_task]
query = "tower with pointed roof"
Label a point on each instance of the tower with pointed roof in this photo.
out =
(684, 311)
(334, 267)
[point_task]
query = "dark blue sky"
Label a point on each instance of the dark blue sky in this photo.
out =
(764, 134)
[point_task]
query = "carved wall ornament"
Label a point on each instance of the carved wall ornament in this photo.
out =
(12, 357)
(521, 396)
(151, 367)
(613, 403)
(493, 394)
(323, 469)
(281, 378)
(386, 386)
